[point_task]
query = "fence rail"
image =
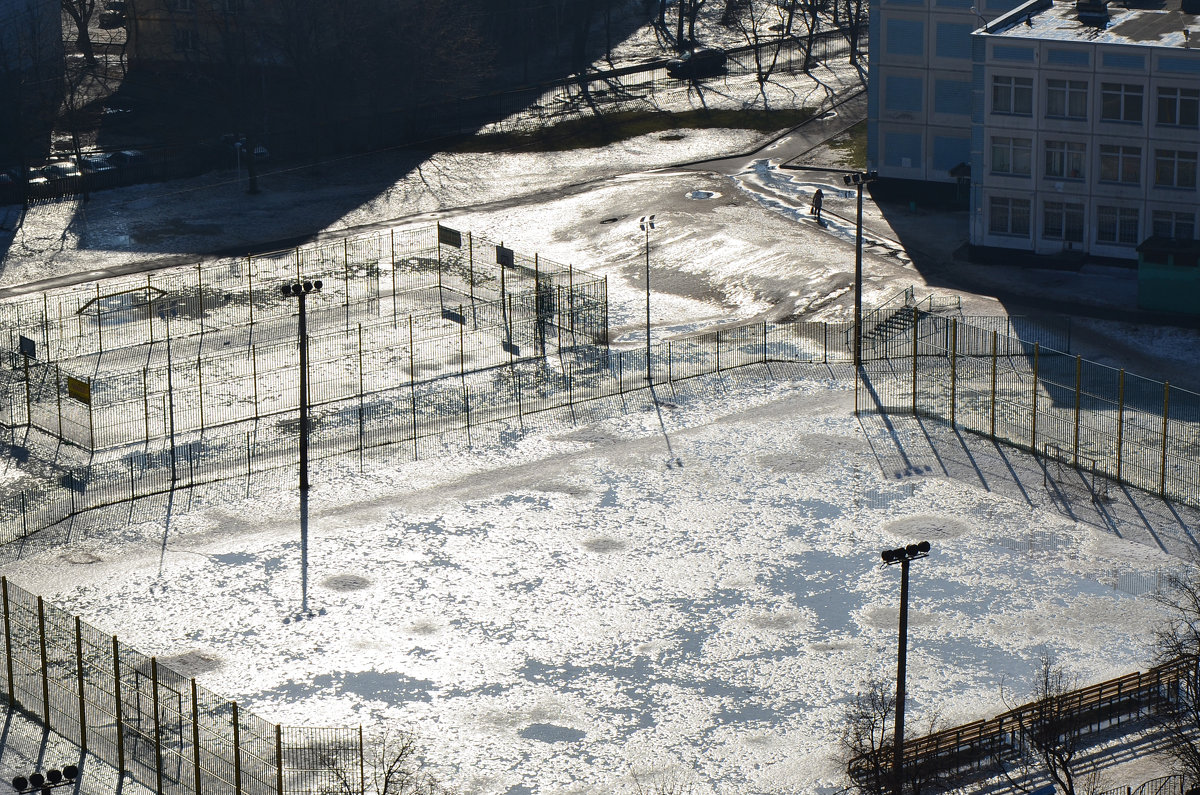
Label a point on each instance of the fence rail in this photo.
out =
(156, 725)
(973, 747)
(1119, 427)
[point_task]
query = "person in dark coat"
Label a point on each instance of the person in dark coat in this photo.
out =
(817, 200)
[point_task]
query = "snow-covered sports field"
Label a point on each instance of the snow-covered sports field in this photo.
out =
(688, 593)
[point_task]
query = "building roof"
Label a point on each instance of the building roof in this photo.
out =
(1157, 23)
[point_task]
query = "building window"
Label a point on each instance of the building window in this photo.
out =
(1120, 164)
(1121, 102)
(1066, 99)
(1167, 223)
(1012, 156)
(1012, 95)
(1064, 159)
(1179, 107)
(1174, 169)
(1061, 221)
(1009, 216)
(186, 40)
(1117, 225)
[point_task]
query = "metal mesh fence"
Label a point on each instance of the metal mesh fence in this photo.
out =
(156, 725)
(1087, 416)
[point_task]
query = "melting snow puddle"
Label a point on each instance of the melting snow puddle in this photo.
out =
(704, 194)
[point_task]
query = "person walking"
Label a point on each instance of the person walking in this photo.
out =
(817, 200)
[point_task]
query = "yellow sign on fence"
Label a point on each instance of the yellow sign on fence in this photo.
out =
(80, 390)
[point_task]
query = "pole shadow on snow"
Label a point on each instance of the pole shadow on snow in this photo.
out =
(902, 439)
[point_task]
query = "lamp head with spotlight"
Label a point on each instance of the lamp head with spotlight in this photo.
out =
(905, 553)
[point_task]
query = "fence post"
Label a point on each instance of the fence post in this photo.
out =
(467, 411)
(915, 318)
(471, 266)
(1033, 419)
(362, 773)
(196, 737)
(995, 341)
(1162, 473)
(79, 678)
(360, 398)
(200, 295)
(237, 751)
(1120, 419)
(670, 375)
(8, 641)
(953, 369)
(254, 371)
(279, 758)
(412, 383)
(41, 612)
(120, 720)
(250, 287)
(158, 777)
(1078, 400)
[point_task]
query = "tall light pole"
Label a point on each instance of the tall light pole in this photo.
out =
(858, 179)
(903, 556)
(300, 291)
(646, 224)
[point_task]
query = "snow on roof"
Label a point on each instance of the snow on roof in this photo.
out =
(1158, 23)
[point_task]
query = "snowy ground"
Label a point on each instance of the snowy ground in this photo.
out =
(565, 608)
(570, 608)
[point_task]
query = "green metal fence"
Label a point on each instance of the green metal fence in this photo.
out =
(152, 723)
(1107, 421)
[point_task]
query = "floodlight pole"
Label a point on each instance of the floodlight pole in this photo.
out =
(903, 556)
(647, 223)
(300, 291)
(858, 179)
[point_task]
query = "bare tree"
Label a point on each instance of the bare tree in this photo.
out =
(867, 737)
(396, 768)
(868, 740)
(755, 25)
(80, 12)
(1177, 640)
(1049, 732)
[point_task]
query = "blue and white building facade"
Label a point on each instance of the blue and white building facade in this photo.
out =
(1086, 128)
(920, 72)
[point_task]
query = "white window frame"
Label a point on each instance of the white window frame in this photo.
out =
(1012, 156)
(1182, 106)
(1122, 102)
(1066, 160)
(1120, 164)
(1174, 168)
(1071, 94)
(1062, 221)
(1009, 93)
(1009, 209)
(1122, 222)
(1169, 223)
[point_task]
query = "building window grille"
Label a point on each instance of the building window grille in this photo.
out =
(1062, 221)
(1066, 99)
(1168, 223)
(1009, 216)
(1117, 225)
(1179, 107)
(1012, 95)
(1012, 156)
(1121, 164)
(1065, 159)
(1121, 102)
(1174, 169)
